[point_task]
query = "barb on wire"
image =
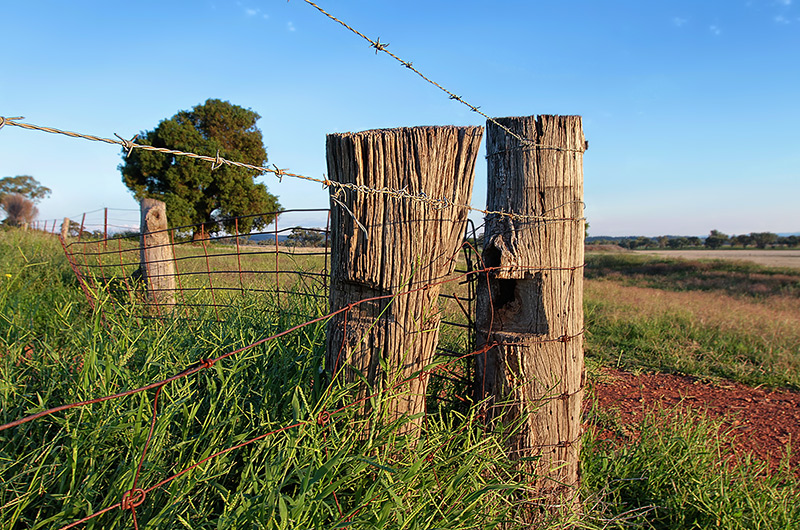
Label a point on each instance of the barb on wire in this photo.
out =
(380, 46)
(128, 145)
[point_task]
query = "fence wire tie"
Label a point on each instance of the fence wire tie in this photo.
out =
(361, 226)
(128, 144)
(132, 498)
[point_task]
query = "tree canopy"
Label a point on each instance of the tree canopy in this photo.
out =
(192, 190)
(762, 239)
(24, 185)
(716, 239)
(301, 237)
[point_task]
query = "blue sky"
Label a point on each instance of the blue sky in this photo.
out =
(691, 107)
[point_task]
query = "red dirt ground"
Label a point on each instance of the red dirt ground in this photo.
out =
(763, 421)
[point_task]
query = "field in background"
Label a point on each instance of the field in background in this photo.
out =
(719, 319)
(643, 313)
(767, 258)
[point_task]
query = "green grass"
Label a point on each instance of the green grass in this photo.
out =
(676, 472)
(73, 463)
(351, 472)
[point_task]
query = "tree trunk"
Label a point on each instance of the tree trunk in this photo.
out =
(157, 263)
(530, 307)
(383, 245)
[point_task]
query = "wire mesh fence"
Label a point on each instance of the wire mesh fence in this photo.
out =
(216, 270)
(213, 267)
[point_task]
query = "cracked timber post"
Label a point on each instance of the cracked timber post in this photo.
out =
(532, 310)
(383, 245)
(157, 263)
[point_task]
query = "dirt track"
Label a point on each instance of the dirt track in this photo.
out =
(770, 258)
(759, 421)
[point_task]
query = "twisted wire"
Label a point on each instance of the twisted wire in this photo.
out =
(217, 161)
(381, 47)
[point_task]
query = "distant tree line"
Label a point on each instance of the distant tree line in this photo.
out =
(301, 237)
(714, 240)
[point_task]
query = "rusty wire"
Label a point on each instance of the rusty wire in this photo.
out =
(135, 496)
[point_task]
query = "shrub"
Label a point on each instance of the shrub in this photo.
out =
(19, 209)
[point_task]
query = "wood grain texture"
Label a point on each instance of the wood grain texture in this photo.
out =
(383, 245)
(157, 262)
(532, 307)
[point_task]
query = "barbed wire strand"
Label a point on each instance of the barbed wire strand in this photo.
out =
(381, 47)
(401, 194)
(136, 496)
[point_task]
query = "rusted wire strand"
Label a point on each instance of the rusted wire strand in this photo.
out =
(135, 496)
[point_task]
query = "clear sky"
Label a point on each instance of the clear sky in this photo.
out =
(691, 107)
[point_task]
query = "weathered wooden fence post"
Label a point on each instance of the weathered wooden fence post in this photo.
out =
(65, 229)
(388, 242)
(156, 259)
(529, 309)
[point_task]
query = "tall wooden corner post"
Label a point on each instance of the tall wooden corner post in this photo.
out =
(530, 306)
(157, 262)
(390, 245)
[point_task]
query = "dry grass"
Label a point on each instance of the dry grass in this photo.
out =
(708, 319)
(778, 318)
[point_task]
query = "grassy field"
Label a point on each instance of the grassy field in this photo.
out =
(336, 474)
(716, 319)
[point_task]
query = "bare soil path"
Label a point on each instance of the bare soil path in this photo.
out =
(761, 421)
(769, 258)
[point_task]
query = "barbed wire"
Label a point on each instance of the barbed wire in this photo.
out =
(218, 161)
(381, 47)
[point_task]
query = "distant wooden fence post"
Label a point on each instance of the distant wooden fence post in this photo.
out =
(530, 307)
(382, 245)
(156, 260)
(65, 229)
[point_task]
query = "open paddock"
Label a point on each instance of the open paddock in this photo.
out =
(767, 258)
